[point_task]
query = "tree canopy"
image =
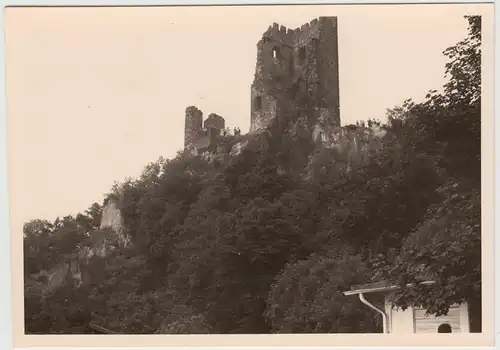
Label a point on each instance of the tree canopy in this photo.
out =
(267, 240)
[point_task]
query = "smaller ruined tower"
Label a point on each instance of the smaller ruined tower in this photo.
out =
(201, 136)
(215, 122)
(193, 125)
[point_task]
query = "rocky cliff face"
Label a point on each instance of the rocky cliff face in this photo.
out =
(353, 143)
(74, 270)
(112, 218)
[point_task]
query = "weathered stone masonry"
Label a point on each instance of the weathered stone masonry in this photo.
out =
(198, 135)
(193, 125)
(297, 75)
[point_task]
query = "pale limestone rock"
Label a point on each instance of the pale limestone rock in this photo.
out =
(112, 218)
(237, 148)
(64, 272)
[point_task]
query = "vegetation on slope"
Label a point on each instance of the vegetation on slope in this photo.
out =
(252, 245)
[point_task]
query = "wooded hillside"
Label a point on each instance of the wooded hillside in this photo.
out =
(267, 241)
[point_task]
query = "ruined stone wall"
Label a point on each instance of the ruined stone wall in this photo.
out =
(353, 144)
(356, 141)
(202, 135)
(215, 122)
(327, 59)
(193, 125)
(290, 63)
(263, 106)
(273, 74)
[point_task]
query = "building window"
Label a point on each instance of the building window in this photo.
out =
(302, 54)
(258, 103)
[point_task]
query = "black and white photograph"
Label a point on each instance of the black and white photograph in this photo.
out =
(249, 170)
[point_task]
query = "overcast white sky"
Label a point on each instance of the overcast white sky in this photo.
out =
(94, 94)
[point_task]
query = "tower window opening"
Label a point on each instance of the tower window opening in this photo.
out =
(258, 103)
(302, 54)
(275, 52)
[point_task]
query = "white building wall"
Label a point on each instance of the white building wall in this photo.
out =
(402, 321)
(414, 320)
(464, 318)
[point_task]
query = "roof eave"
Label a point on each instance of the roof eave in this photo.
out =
(370, 290)
(381, 289)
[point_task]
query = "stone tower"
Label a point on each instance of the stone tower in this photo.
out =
(297, 74)
(202, 136)
(215, 122)
(193, 125)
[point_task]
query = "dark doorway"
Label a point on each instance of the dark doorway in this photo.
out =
(444, 328)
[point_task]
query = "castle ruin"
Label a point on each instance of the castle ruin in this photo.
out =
(201, 135)
(297, 76)
(296, 86)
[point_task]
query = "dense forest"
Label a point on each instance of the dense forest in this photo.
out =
(267, 241)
